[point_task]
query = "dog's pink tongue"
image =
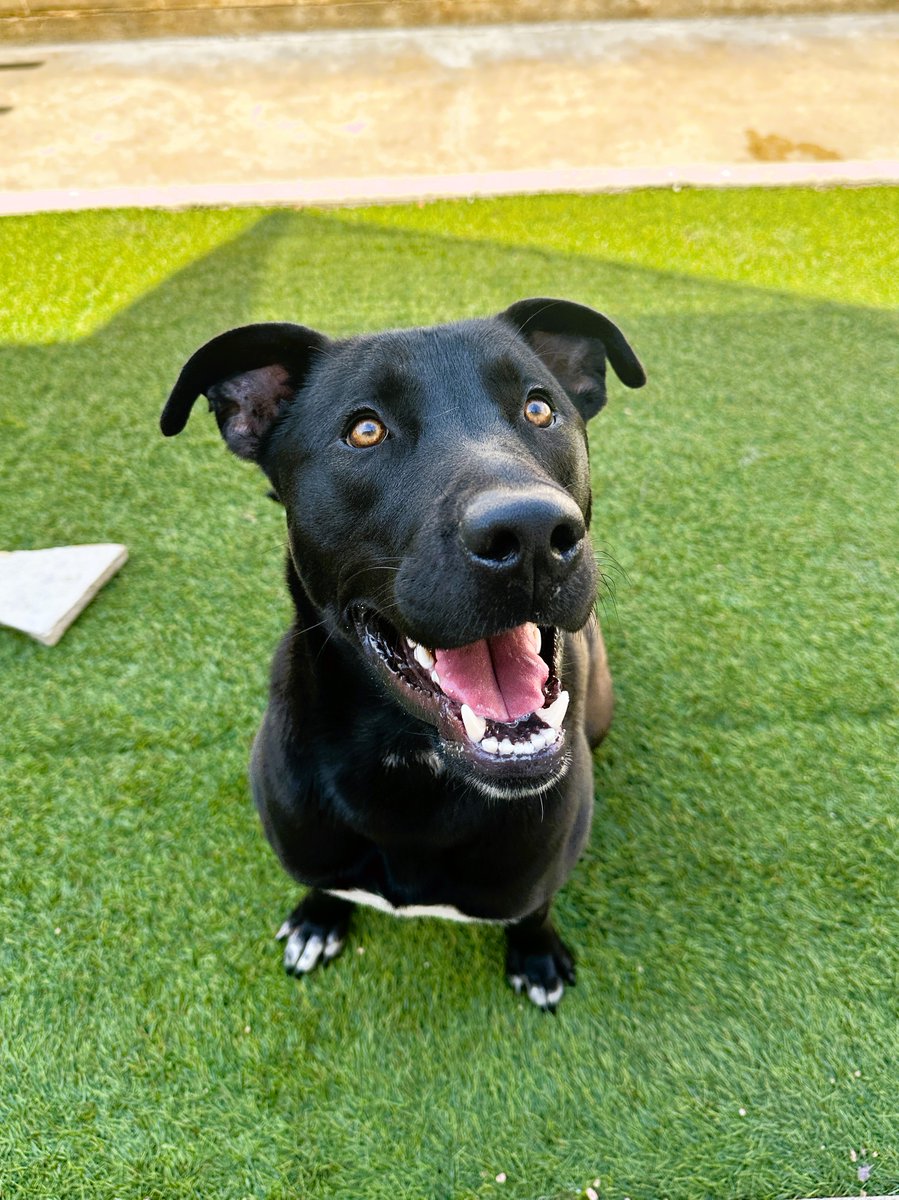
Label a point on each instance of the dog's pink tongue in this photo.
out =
(500, 677)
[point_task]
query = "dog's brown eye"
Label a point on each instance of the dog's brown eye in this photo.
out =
(367, 432)
(538, 412)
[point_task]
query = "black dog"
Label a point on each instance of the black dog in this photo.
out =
(426, 747)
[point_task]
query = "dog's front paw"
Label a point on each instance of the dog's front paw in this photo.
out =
(315, 932)
(541, 973)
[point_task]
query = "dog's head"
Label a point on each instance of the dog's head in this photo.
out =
(437, 492)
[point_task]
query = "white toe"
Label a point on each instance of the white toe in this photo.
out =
(537, 995)
(333, 945)
(311, 954)
(293, 949)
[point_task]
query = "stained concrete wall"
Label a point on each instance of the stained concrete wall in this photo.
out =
(23, 21)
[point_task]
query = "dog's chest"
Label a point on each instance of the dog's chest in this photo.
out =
(447, 912)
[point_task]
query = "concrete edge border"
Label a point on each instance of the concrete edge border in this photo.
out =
(399, 188)
(93, 20)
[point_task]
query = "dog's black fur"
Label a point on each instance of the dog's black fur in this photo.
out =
(467, 520)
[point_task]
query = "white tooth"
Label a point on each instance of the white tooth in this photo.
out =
(423, 657)
(521, 747)
(490, 745)
(505, 747)
(475, 726)
(549, 735)
(554, 715)
(538, 640)
(435, 678)
(538, 741)
(411, 643)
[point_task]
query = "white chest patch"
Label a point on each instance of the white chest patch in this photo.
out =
(448, 912)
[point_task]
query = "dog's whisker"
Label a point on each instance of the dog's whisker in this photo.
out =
(604, 557)
(323, 645)
(606, 584)
(602, 600)
(298, 633)
(388, 563)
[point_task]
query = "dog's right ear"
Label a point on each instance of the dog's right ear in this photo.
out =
(248, 374)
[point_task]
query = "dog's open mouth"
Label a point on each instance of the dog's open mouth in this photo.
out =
(497, 700)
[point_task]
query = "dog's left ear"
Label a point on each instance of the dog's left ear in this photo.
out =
(574, 342)
(249, 374)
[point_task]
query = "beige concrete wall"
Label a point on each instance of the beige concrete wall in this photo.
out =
(23, 21)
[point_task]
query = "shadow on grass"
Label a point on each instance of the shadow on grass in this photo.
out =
(703, 341)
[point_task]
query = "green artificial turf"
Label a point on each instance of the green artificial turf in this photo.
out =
(734, 1029)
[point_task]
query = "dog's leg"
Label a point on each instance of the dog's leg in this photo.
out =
(537, 960)
(315, 931)
(599, 700)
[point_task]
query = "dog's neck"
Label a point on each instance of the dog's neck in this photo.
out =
(321, 665)
(307, 613)
(312, 631)
(323, 675)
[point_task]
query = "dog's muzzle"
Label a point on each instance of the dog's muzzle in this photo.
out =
(497, 702)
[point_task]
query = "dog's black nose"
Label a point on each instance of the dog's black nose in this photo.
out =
(527, 530)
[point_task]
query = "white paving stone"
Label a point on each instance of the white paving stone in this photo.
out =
(43, 591)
